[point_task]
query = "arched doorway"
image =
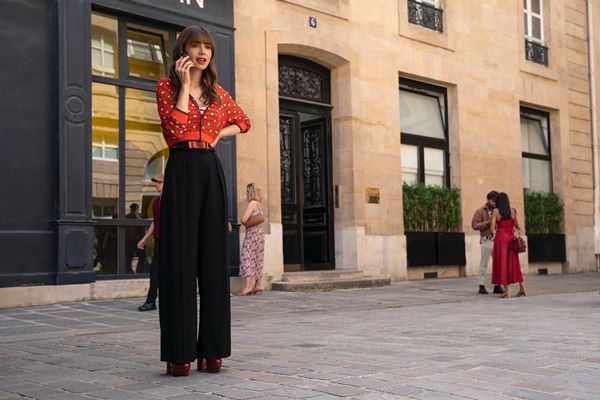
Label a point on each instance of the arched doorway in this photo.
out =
(305, 148)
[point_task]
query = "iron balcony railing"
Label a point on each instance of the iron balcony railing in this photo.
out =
(425, 15)
(536, 52)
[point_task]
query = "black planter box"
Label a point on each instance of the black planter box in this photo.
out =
(421, 248)
(546, 248)
(451, 248)
(435, 248)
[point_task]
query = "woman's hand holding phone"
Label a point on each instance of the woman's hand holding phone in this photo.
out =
(182, 69)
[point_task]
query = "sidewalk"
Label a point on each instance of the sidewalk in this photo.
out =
(431, 339)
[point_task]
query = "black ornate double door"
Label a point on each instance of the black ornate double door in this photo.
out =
(306, 198)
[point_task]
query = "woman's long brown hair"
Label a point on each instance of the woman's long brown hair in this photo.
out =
(503, 205)
(196, 33)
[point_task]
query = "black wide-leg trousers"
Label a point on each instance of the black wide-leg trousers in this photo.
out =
(193, 250)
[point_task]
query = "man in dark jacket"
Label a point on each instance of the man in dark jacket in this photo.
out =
(482, 220)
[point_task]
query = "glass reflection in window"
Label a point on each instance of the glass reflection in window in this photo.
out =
(146, 150)
(105, 250)
(105, 149)
(146, 52)
(104, 46)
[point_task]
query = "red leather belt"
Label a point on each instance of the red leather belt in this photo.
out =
(192, 145)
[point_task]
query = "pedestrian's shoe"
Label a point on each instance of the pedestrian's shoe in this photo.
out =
(213, 364)
(498, 289)
(482, 289)
(201, 363)
(147, 307)
(182, 369)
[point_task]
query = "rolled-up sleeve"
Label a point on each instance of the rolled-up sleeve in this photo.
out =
(172, 120)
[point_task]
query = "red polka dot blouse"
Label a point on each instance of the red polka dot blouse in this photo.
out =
(197, 123)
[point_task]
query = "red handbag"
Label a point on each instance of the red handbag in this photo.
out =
(519, 245)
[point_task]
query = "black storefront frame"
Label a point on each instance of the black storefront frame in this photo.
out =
(123, 82)
(72, 24)
(423, 142)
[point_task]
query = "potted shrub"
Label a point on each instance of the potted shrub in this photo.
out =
(432, 222)
(544, 227)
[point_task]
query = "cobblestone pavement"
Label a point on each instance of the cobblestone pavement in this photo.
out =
(432, 339)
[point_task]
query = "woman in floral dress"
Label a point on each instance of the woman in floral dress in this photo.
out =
(253, 248)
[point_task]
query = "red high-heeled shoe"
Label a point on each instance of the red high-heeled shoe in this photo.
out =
(213, 364)
(182, 369)
(201, 363)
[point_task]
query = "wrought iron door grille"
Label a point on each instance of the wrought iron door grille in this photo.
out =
(425, 15)
(536, 52)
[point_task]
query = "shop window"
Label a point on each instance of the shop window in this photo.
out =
(126, 137)
(424, 134)
(535, 142)
(533, 15)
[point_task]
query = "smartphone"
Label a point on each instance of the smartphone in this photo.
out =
(184, 54)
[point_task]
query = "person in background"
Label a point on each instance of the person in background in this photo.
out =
(481, 221)
(253, 248)
(153, 230)
(195, 113)
(506, 268)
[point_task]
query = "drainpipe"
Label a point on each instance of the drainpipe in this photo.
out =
(593, 116)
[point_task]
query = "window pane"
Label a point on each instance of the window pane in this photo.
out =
(526, 27)
(537, 175)
(111, 153)
(104, 45)
(96, 151)
(536, 27)
(534, 139)
(410, 163)
(145, 49)
(536, 6)
(421, 115)
(146, 150)
(434, 166)
(105, 162)
(105, 250)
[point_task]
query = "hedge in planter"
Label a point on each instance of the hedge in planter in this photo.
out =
(431, 208)
(432, 221)
(543, 213)
(544, 222)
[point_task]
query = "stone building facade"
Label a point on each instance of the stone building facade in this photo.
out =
(348, 99)
(493, 65)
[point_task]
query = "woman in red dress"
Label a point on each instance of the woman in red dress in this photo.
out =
(506, 265)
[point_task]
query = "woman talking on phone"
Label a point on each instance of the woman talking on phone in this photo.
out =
(195, 113)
